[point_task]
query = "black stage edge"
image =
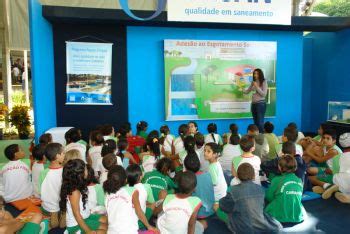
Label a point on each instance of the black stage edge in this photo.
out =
(79, 15)
(87, 117)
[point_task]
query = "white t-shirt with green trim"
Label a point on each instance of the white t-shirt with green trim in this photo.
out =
(50, 182)
(96, 159)
(16, 181)
(121, 213)
(85, 213)
(96, 198)
(145, 195)
(218, 179)
(177, 214)
(36, 170)
(209, 138)
(148, 163)
(255, 161)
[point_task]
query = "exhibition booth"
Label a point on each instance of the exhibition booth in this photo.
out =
(170, 71)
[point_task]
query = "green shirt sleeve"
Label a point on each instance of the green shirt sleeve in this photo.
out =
(213, 173)
(100, 195)
(42, 177)
(171, 184)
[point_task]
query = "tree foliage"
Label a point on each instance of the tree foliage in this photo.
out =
(334, 8)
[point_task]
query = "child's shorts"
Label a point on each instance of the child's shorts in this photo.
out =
(30, 228)
(93, 222)
(323, 176)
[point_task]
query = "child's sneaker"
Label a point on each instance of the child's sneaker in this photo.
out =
(342, 197)
(318, 189)
(328, 193)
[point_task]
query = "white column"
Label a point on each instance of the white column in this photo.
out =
(25, 74)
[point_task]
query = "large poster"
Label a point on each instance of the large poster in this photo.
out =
(231, 11)
(89, 73)
(206, 79)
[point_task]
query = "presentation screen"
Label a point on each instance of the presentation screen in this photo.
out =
(207, 79)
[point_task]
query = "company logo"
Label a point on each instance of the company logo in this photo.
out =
(160, 7)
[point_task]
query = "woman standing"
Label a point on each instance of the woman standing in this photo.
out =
(258, 107)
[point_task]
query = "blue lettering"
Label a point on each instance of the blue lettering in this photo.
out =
(160, 7)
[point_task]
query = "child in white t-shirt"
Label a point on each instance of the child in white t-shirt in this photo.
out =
(73, 137)
(199, 138)
(96, 194)
(50, 182)
(213, 136)
(180, 209)
(94, 154)
(230, 151)
(179, 141)
(74, 200)
(166, 140)
(123, 204)
(39, 165)
(134, 176)
(150, 158)
(16, 176)
(108, 161)
(247, 145)
(211, 154)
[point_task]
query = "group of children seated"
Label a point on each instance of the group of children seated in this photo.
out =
(154, 182)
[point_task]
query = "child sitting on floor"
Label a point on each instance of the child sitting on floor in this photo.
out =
(211, 154)
(74, 200)
(199, 138)
(150, 158)
(96, 194)
(38, 166)
(16, 179)
(272, 140)
(230, 151)
(108, 162)
(122, 204)
(180, 209)
(125, 156)
(50, 182)
(73, 138)
(341, 179)
(166, 140)
(247, 145)
(244, 205)
(94, 153)
(212, 136)
(328, 165)
(261, 144)
(285, 193)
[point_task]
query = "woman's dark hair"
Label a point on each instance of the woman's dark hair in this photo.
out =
(116, 179)
(152, 143)
(245, 172)
(97, 137)
(192, 163)
(214, 147)
(234, 128)
(122, 146)
(261, 76)
(186, 181)
(141, 126)
(91, 178)
(164, 165)
(268, 127)
(164, 130)
(73, 179)
(109, 147)
(212, 129)
(45, 139)
(183, 131)
(234, 139)
(133, 174)
(73, 135)
(190, 144)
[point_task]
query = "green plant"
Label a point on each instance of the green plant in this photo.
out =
(19, 118)
(18, 98)
(340, 8)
